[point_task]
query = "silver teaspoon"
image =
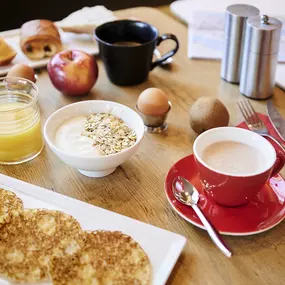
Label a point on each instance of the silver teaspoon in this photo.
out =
(158, 55)
(187, 194)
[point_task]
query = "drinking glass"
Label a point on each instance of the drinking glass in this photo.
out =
(20, 128)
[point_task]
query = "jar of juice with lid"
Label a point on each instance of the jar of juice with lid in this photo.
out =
(20, 128)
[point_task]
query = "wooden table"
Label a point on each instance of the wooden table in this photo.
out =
(135, 189)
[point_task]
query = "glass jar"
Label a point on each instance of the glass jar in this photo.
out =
(20, 129)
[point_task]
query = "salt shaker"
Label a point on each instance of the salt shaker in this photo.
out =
(261, 46)
(235, 20)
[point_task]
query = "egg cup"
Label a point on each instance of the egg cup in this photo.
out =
(155, 124)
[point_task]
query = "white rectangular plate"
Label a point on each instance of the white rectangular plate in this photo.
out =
(84, 42)
(162, 247)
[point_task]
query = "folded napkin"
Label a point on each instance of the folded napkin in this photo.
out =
(86, 19)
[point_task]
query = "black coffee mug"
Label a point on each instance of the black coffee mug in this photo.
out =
(126, 48)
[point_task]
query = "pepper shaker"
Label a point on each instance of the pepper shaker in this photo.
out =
(261, 46)
(235, 20)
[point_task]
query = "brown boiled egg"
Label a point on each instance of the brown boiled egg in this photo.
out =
(22, 70)
(153, 101)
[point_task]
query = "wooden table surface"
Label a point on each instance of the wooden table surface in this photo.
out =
(136, 189)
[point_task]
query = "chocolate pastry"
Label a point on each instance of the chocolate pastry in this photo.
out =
(40, 39)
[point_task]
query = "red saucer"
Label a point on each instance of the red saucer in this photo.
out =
(264, 212)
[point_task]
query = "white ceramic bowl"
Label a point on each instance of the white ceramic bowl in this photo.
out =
(93, 166)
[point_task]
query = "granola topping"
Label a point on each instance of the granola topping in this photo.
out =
(109, 133)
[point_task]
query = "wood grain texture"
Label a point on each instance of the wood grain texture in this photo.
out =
(136, 190)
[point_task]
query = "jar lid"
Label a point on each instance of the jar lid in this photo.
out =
(236, 16)
(263, 34)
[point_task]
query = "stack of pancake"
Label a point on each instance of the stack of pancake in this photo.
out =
(39, 244)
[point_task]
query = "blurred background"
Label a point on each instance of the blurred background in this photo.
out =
(19, 12)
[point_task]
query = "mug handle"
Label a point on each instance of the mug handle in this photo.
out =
(279, 163)
(159, 40)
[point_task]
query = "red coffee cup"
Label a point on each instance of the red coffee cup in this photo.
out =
(229, 189)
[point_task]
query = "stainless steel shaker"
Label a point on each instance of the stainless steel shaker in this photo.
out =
(261, 46)
(235, 20)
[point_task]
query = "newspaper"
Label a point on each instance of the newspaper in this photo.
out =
(206, 36)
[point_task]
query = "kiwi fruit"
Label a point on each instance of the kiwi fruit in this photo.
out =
(207, 113)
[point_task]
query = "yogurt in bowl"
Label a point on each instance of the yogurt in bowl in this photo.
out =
(94, 136)
(70, 139)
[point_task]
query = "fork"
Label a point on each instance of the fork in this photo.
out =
(254, 123)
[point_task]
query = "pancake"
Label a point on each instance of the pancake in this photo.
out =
(10, 205)
(107, 258)
(30, 239)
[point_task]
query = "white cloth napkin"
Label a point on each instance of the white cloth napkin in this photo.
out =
(86, 19)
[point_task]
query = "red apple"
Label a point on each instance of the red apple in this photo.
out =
(73, 72)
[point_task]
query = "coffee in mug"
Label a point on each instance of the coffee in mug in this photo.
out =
(127, 43)
(233, 157)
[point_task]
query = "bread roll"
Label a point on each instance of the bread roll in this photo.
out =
(40, 39)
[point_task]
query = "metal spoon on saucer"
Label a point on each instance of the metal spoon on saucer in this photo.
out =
(187, 194)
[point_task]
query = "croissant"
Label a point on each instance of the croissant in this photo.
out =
(39, 39)
(7, 53)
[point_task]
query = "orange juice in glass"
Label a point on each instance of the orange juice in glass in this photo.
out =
(20, 128)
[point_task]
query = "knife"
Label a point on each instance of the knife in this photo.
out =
(276, 119)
